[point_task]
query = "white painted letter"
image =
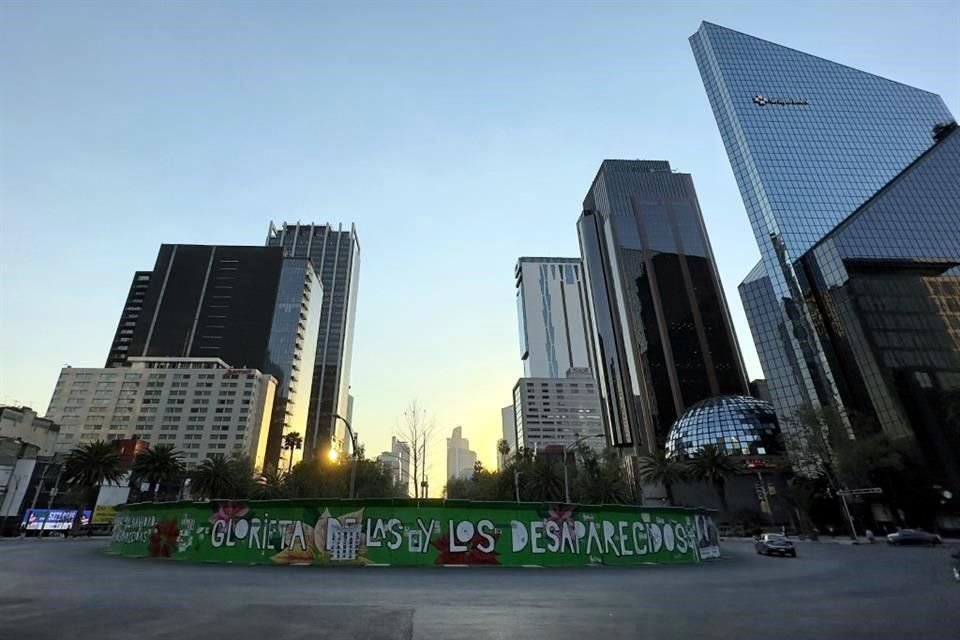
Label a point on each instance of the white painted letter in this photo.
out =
(485, 531)
(536, 535)
(591, 536)
(452, 538)
(622, 537)
(608, 532)
(553, 534)
(217, 533)
(393, 526)
(518, 535)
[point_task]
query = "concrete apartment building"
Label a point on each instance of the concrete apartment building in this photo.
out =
(557, 411)
(23, 423)
(397, 462)
(201, 406)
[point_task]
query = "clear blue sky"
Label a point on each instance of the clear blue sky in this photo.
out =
(457, 137)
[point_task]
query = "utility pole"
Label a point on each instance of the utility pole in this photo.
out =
(423, 468)
(36, 496)
(516, 482)
(53, 494)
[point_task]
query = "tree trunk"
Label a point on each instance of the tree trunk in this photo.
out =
(722, 493)
(156, 491)
(290, 462)
(669, 487)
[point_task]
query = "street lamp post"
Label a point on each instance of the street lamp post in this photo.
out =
(356, 453)
(570, 447)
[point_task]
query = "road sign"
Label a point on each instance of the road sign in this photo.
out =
(860, 492)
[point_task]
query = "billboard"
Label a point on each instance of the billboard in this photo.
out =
(53, 519)
(412, 532)
(104, 514)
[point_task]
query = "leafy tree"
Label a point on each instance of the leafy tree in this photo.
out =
(308, 480)
(158, 465)
(657, 468)
(291, 442)
(712, 465)
(458, 489)
(600, 480)
(373, 480)
(90, 465)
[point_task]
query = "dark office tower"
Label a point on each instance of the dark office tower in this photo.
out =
(851, 185)
(128, 320)
(662, 331)
(249, 306)
(336, 257)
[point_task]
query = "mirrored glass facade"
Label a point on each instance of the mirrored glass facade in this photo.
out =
(855, 207)
(809, 141)
(291, 353)
(664, 340)
(738, 425)
(884, 291)
(335, 254)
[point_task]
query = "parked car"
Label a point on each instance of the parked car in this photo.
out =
(914, 536)
(774, 544)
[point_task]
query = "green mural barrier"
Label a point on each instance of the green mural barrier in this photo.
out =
(413, 532)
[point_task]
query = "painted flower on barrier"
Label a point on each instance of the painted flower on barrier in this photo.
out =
(164, 538)
(479, 549)
(229, 510)
(562, 514)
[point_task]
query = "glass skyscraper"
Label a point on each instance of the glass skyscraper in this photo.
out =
(291, 352)
(663, 339)
(852, 192)
(552, 314)
(335, 254)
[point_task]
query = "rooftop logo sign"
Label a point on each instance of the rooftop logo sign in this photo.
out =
(761, 101)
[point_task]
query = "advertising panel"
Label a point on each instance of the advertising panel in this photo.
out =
(104, 514)
(53, 519)
(411, 532)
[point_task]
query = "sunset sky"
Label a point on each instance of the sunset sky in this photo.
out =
(457, 136)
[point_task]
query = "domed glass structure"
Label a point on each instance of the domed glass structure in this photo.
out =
(740, 425)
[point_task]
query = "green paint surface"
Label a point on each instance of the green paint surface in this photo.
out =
(412, 532)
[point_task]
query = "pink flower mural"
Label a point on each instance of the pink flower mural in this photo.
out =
(229, 511)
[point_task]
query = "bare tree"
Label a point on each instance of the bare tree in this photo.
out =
(416, 429)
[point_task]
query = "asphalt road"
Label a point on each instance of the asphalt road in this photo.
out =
(71, 589)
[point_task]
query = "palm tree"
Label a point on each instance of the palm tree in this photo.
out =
(158, 465)
(503, 448)
(271, 483)
(215, 478)
(712, 465)
(545, 480)
(657, 468)
(90, 465)
(291, 442)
